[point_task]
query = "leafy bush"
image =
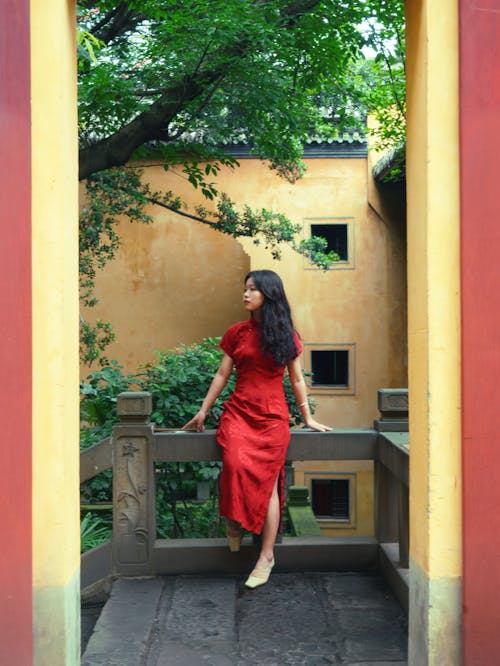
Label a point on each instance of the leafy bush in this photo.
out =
(97, 416)
(189, 520)
(98, 403)
(180, 381)
(93, 531)
(98, 489)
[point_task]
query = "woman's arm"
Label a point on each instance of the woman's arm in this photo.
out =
(300, 392)
(218, 383)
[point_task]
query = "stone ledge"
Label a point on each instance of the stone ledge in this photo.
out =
(294, 554)
(124, 627)
(395, 576)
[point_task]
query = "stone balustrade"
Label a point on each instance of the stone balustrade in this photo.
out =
(135, 446)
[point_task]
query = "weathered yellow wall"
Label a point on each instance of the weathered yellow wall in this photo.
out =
(434, 333)
(172, 281)
(388, 202)
(56, 552)
(179, 281)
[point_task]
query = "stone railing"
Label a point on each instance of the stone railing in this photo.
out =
(135, 447)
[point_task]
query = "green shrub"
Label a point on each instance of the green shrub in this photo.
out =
(98, 415)
(98, 489)
(180, 381)
(98, 400)
(93, 531)
(188, 520)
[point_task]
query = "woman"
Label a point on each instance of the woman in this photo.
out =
(254, 430)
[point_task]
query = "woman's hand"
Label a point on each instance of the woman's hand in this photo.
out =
(197, 422)
(218, 382)
(319, 427)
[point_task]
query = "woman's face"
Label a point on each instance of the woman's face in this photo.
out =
(252, 297)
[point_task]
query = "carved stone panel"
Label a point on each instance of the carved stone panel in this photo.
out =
(132, 504)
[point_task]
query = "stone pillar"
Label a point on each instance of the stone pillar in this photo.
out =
(389, 493)
(433, 228)
(386, 507)
(303, 520)
(403, 525)
(55, 544)
(134, 501)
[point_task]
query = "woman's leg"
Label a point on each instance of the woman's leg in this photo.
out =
(233, 528)
(270, 529)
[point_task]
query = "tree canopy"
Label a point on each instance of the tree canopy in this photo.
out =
(181, 79)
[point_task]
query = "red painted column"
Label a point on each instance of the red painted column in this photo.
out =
(15, 336)
(480, 275)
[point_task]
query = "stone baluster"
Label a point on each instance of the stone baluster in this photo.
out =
(134, 520)
(386, 505)
(403, 525)
(391, 495)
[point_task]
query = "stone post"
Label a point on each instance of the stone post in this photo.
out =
(391, 498)
(386, 505)
(393, 408)
(301, 514)
(403, 525)
(134, 523)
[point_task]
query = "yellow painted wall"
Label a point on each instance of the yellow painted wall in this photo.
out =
(177, 280)
(172, 281)
(56, 553)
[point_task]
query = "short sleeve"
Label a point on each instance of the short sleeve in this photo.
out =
(229, 340)
(298, 343)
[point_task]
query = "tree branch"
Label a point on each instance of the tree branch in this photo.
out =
(107, 18)
(154, 92)
(181, 212)
(297, 8)
(116, 149)
(394, 87)
(117, 22)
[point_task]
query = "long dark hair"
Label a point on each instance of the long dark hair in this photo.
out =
(276, 325)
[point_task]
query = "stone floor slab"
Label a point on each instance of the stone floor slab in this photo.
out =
(285, 620)
(308, 619)
(358, 591)
(122, 633)
(196, 623)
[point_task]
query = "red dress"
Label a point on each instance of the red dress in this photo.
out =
(254, 430)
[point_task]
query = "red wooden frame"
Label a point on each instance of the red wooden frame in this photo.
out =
(16, 643)
(480, 289)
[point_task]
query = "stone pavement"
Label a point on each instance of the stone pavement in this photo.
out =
(307, 619)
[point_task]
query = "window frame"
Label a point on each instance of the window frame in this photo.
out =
(339, 523)
(331, 389)
(350, 263)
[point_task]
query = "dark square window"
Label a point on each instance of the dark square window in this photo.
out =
(330, 367)
(335, 236)
(330, 498)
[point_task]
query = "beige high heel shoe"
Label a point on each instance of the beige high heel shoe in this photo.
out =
(259, 576)
(234, 542)
(234, 534)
